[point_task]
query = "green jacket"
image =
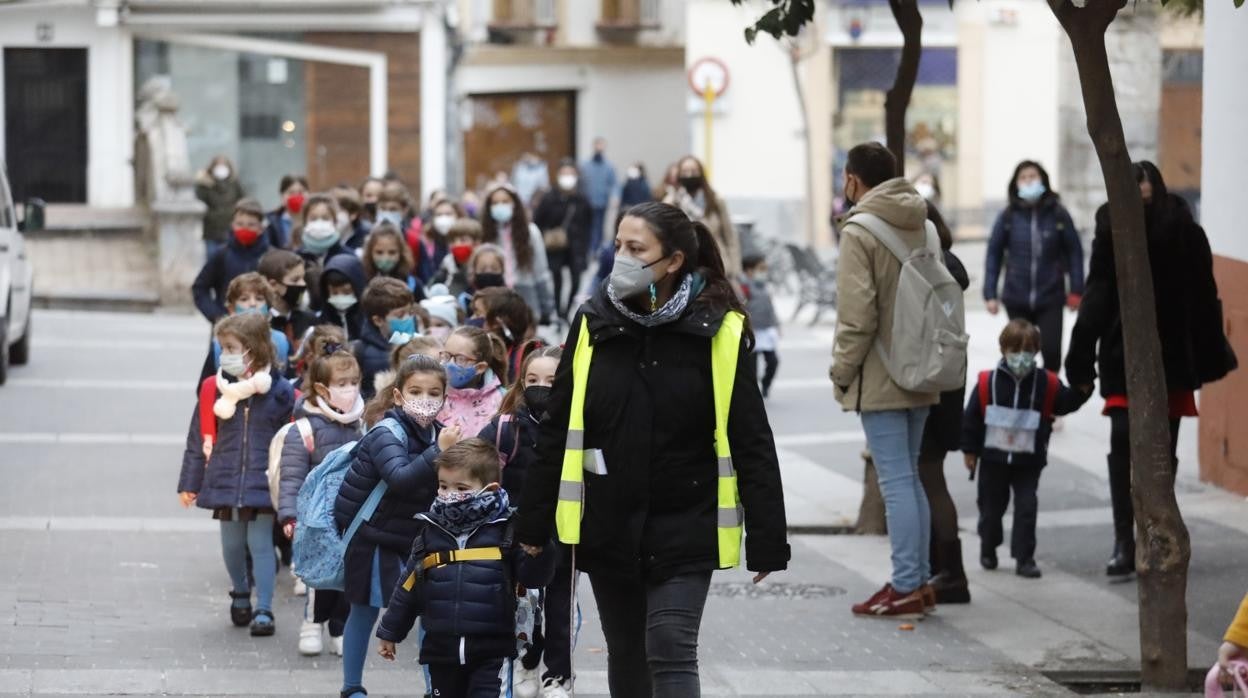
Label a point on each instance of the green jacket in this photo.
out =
(219, 197)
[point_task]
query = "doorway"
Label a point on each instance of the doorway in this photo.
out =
(45, 123)
(506, 126)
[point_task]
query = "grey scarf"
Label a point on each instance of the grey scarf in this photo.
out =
(671, 310)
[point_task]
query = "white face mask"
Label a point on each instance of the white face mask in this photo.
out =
(925, 190)
(234, 364)
(443, 223)
(567, 182)
(221, 171)
(342, 302)
(634, 173)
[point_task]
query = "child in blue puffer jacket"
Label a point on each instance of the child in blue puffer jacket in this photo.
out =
(229, 477)
(374, 557)
(462, 576)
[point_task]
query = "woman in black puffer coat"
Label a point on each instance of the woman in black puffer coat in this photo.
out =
(942, 434)
(1194, 349)
(648, 538)
(376, 553)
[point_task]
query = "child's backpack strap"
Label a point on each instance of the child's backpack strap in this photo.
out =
(417, 555)
(305, 431)
(983, 386)
(505, 457)
(1051, 388)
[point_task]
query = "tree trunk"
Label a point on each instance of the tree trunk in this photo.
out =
(871, 518)
(1163, 548)
(897, 101)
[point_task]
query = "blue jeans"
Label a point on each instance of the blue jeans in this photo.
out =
(239, 537)
(596, 223)
(356, 637)
(894, 437)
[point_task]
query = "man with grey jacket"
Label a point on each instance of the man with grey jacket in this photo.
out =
(892, 417)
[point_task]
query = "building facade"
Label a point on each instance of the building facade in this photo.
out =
(334, 89)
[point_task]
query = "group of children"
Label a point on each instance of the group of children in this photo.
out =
(416, 353)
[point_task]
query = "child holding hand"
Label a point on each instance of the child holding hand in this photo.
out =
(463, 573)
(1005, 433)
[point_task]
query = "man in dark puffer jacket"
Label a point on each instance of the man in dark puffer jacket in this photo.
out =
(469, 602)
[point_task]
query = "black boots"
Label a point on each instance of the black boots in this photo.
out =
(949, 582)
(1027, 569)
(1122, 563)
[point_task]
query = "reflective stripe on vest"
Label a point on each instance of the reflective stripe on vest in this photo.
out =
(725, 348)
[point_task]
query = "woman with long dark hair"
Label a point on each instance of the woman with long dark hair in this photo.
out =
(1194, 349)
(655, 452)
(505, 222)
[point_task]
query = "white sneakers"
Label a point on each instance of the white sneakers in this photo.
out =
(301, 589)
(310, 639)
(335, 646)
(527, 682)
(554, 688)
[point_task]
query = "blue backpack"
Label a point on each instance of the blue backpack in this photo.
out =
(318, 549)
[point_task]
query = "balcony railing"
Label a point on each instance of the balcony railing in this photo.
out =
(524, 14)
(629, 15)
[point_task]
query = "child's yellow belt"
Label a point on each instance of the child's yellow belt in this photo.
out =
(449, 556)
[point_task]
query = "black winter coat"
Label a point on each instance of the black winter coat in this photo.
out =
(467, 609)
(572, 212)
(1189, 314)
(372, 351)
(1039, 246)
(943, 431)
(385, 540)
(650, 408)
(297, 462)
(210, 285)
(234, 477)
(1007, 386)
(353, 320)
(314, 265)
(517, 447)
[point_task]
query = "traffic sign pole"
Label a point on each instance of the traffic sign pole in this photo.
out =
(709, 95)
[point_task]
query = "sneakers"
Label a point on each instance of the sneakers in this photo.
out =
(557, 688)
(889, 603)
(310, 639)
(301, 589)
(526, 683)
(335, 646)
(1027, 569)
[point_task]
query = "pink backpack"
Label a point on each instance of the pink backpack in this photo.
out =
(1239, 675)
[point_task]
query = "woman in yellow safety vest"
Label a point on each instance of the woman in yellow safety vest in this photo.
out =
(655, 454)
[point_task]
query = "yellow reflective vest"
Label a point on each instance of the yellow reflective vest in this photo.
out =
(725, 347)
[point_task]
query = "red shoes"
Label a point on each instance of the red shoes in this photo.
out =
(891, 604)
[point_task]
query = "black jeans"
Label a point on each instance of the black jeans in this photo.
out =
(558, 261)
(652, 634)
(995, 482)
(771, 364)
(1120, 471)
(1049, 320)
(482, 679)
(552, 635)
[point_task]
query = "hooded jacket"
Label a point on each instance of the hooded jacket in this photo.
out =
(1039, 245)
(471, 409)
(650, 409)
(235, 475)
(353, 321)
(210, 285)
(866, 288)
(297, 462)
(467, 609)
(1194, 349)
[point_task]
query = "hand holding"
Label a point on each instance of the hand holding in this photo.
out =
(993, 306)
(385, 648)
(971, 460)
(289, 529)
(187, 499)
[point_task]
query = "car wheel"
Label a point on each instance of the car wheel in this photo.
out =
(19, 353)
